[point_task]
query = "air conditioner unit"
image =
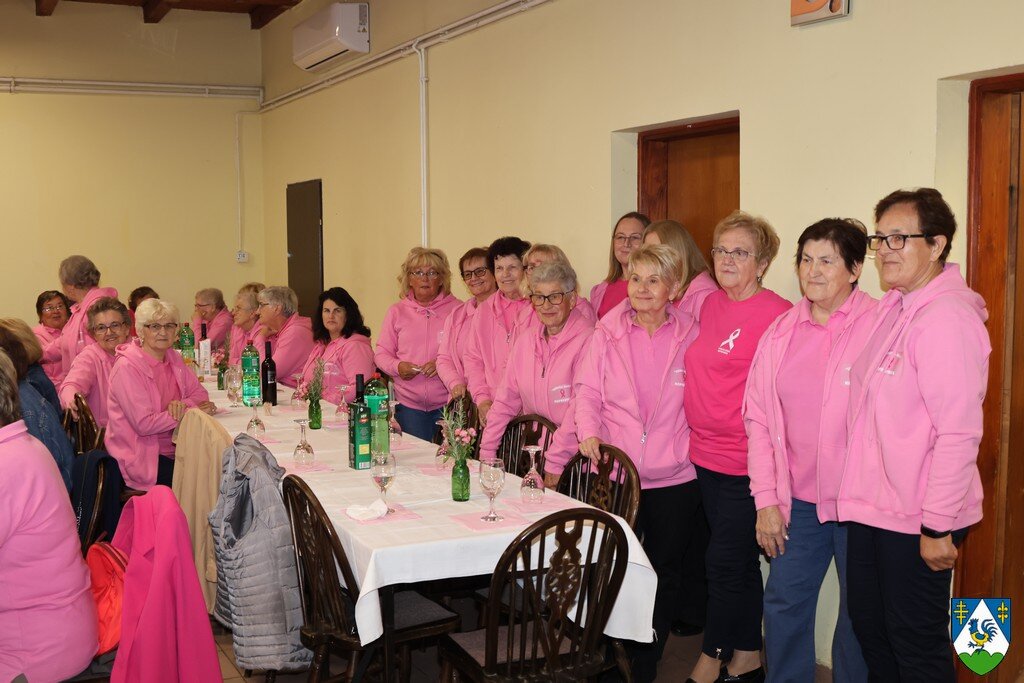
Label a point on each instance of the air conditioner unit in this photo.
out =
(336, 29)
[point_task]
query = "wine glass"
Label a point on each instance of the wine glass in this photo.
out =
(303, 454)
(383, 469)
(297, 401)
(341, 412)
(532, 488)
(256, 429)
(394, 429)
(441, 458)
(492, 479)
(233, 382)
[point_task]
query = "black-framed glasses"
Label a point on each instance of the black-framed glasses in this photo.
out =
(895, 241)
(113, 327)
(476, 272)
(738, 255)
(555, 298)
(156, 327)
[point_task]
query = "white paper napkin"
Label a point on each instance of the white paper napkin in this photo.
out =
(374, 510)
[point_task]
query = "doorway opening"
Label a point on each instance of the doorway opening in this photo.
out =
(306, 243)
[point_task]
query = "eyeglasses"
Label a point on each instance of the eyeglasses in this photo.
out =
(628, 239)
(51, 309)
(113, 327)
(429, 274)
(738, 255)
(203, 305)
(554, 298)
(157, 327)
(476, 272)
(895, 241)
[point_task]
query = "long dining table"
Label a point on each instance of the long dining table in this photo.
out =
(429, 536)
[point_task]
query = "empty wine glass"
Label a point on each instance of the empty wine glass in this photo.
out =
(303, 454)
(492, 479)
(297, 400)
(256, 429)
(394, 429)
(341, 412)
(383, 469)
(532, 488)
(233, 382)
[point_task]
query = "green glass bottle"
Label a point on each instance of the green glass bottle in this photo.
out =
(460, 480)
(376, 397)
(187, 340)
(251, 393)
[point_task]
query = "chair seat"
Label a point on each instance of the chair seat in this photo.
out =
(473, 643)
(413, 612)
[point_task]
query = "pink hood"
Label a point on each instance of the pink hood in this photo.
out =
(352, 356)
(46, 336)
(290, 347)
(454, 337)
(216, 329)
(240, 339)
(89, 376)
(74, 337)
(767, 456)
(693, 298)
(916, 424)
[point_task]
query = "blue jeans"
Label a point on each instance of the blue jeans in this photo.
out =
(791, 598)
(419, 423)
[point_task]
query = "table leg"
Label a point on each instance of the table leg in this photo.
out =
(387, 613)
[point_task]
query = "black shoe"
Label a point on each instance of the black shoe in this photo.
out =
(684, 629)
(755, 676)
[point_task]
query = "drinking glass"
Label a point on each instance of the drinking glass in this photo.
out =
(303, 454)
(532, 488)
(297, 401)
(256, 429)
(233, 381)
(383, 469)
(492, 479)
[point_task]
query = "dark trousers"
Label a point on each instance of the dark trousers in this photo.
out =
(735, 590)
(419, 423)
(667, 519)
(899, 607)
(164, 471)
(692, 607)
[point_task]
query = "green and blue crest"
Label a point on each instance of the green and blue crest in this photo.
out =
(980, 629)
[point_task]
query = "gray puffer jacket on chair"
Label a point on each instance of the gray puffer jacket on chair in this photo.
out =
(258, 587)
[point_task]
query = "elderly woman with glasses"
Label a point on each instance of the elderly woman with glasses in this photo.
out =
(213, 312)
(290, 334)
(53, 309)
(627, 235)
(911, 487)
(410, 338)
(246, 327)
(110, 325)
(543, 361)
(481, 285)
(342, 342)
(151, 388)
(732, 321)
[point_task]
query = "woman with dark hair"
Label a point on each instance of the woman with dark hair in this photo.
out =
(80, 280)
(342, 340)
(481, 285)
(627, 235)
(138, 295)
(53, 309)
(795, 410)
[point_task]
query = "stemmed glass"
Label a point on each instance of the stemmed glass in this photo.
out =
(441, 459)
(383, 469)
(394, 429)
(303, 454)
(233, 381)
(492, 479)
(532, 488)
(297, 401)
(341, 412)
(256, 429)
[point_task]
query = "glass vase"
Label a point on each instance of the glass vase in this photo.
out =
(460, 480)
(316, 415)
(221, 377)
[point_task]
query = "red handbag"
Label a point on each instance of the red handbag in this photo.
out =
(107, 565)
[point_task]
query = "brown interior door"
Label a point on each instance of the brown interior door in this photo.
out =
(306, 243)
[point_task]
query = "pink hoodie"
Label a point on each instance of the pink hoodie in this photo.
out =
(90, 377)
(539, 377)
(290, 347)
(46, 336)
(352, 356)
(916, 424)
(74, 337)
(135, 417)
(767, 454)
(216, 329)
(240, 338)
(488, 346)
(693, 298)
(607, 404)
(412, 332)
(454, 337)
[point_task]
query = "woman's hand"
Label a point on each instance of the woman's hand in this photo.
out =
(551, 480)
(938, 553)
(458, 391)
(591, 447)
(208, 407)
(482, 409)
(407, 370)
(73, 407)
(771, 531)
(177, 409)
(430, 368)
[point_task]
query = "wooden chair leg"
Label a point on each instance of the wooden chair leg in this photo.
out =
(446, 673)
(622, 660)
(404, 663)
(317, 665)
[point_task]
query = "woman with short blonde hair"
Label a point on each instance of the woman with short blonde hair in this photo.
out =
(421, 258)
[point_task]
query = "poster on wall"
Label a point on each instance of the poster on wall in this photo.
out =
(810, 11)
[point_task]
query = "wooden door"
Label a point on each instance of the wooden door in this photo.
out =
(991, 563)
(691, 174)
(306, 244)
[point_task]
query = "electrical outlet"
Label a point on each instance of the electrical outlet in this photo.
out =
(242, 256)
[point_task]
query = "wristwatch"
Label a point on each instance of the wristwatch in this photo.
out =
(932, 533)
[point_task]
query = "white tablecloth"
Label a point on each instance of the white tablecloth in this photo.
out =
(431, 545)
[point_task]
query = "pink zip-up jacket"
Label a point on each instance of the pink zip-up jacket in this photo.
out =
(46, 336)
(74, 337)
(767, 455)
(487, 348)
(352, 356)
(412, 332)
(216, 329)
(607, 406)
(454, 337)
(290, 347)
(916, 424)
(135, 418)
(539, 377)
(698, 290)
(90, 377)
(240, 339)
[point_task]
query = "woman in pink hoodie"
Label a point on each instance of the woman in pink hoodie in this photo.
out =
(150, 391)
(795, 409)
(481, 285)
(110, 325)
(627, 235)
(246, 327)
(910, 486)
(343, 342)
(629, 393)
(53, 309)
(290, 334)
(213, 312)
(410, 337)
(699, 283)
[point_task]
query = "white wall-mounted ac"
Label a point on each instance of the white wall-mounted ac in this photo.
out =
(336, 29)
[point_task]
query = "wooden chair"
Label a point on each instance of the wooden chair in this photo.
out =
(89, 434)
(328, 606)
(525, 430)
(612, 485)
(563, 574)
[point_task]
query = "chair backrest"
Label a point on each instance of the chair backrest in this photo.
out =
(612, 485)
(88, 434)
(327, 605)
(561, 576)
(525, 430)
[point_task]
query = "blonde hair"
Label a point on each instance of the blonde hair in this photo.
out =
(432, 258)
(766, 240)
(249, 293)
(20, 329)
(663, 258)
(673, 234)
(554, 254)
(152, 310)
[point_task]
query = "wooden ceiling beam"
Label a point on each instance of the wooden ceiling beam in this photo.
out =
(155, 10)
(264, 14)
(44, 8)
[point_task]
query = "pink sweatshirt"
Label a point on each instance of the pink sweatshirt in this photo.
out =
(488, 346)
(290, 347)
(454, 337)
(74, 337)
(90, 377)
(216, 329)
(352, 356)
(539, 377)
(412, 332)
(47, 613)
(46, 336)
(136, 418)
(240, 338)
(769, 461)
(693, 298)
(916, 423)
(607, 398)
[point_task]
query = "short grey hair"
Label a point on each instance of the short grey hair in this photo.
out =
(280, 296)
(10, 404)
(103, 305)
(554, 271)
(214, 295)
(78, 271)
(153, 310)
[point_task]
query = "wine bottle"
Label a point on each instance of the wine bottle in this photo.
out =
(268, 377)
